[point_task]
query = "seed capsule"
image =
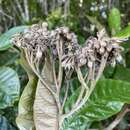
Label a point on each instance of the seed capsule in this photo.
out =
(39, 54)
(69, 36)
(65, 30)
(19, 44)
(83, 61)
(102, 50)
(27, 36)
(109, 48)
(90, 64)
(96, 45)
(44, 25)
(103, 44)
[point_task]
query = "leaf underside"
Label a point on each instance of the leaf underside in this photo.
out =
(45, 107)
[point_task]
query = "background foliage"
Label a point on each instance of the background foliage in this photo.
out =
(85, 18)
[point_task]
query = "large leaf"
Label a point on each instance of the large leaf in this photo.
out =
(9, 87)
(107, 99)
(25, 110)
(114, 20)
(45, 107)
(5, 38)
(124, 33)
(4, 124)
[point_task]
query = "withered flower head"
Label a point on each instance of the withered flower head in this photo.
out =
(64, 46)
(35, 39)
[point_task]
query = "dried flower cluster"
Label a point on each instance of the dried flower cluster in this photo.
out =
(38, 39)
(93, 50)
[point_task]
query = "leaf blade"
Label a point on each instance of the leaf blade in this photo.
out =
(9, 87)
(5, 38)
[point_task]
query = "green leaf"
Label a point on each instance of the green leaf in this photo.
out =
(9, 87)
(122, 73)
(8, 57)
(4, 124)
(5, 38)
(114, 20)
(124, 33)
(107, 99)
(25, 109)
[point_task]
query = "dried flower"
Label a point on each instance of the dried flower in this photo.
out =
(61, 41)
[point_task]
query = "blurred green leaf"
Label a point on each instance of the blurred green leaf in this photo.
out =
(124, 33)
(9, 87)
(94, 21)
(107, 99)
(122, 73)
(4, 124)
(54, 18)
(5, 38)
(114, 20)
(8, 57)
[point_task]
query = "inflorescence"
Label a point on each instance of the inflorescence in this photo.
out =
(38, 40)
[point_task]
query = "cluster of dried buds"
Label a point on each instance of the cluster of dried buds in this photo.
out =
(35, 39)
(64, 45)
(93, 51)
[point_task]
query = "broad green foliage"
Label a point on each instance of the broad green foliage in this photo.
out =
(4, 124)
(106, 100)
(5, 38)
(114, 20)
(9, 87)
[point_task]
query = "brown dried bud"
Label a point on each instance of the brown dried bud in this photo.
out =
(83, 61)
(101, 50)
(28, 36)
(39, 54)
(69, 36)
(103, 44)
(97, 45)
(90, 64)
(65, 30)
(44, 24)
(109, 48)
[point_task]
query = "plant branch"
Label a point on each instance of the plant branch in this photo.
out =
(60, 72)
(39, 76)
(26, 8)
(81, 79)
(118, 118)
(5, 14)
(20, 9)
(65, 97)
(88, 93)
